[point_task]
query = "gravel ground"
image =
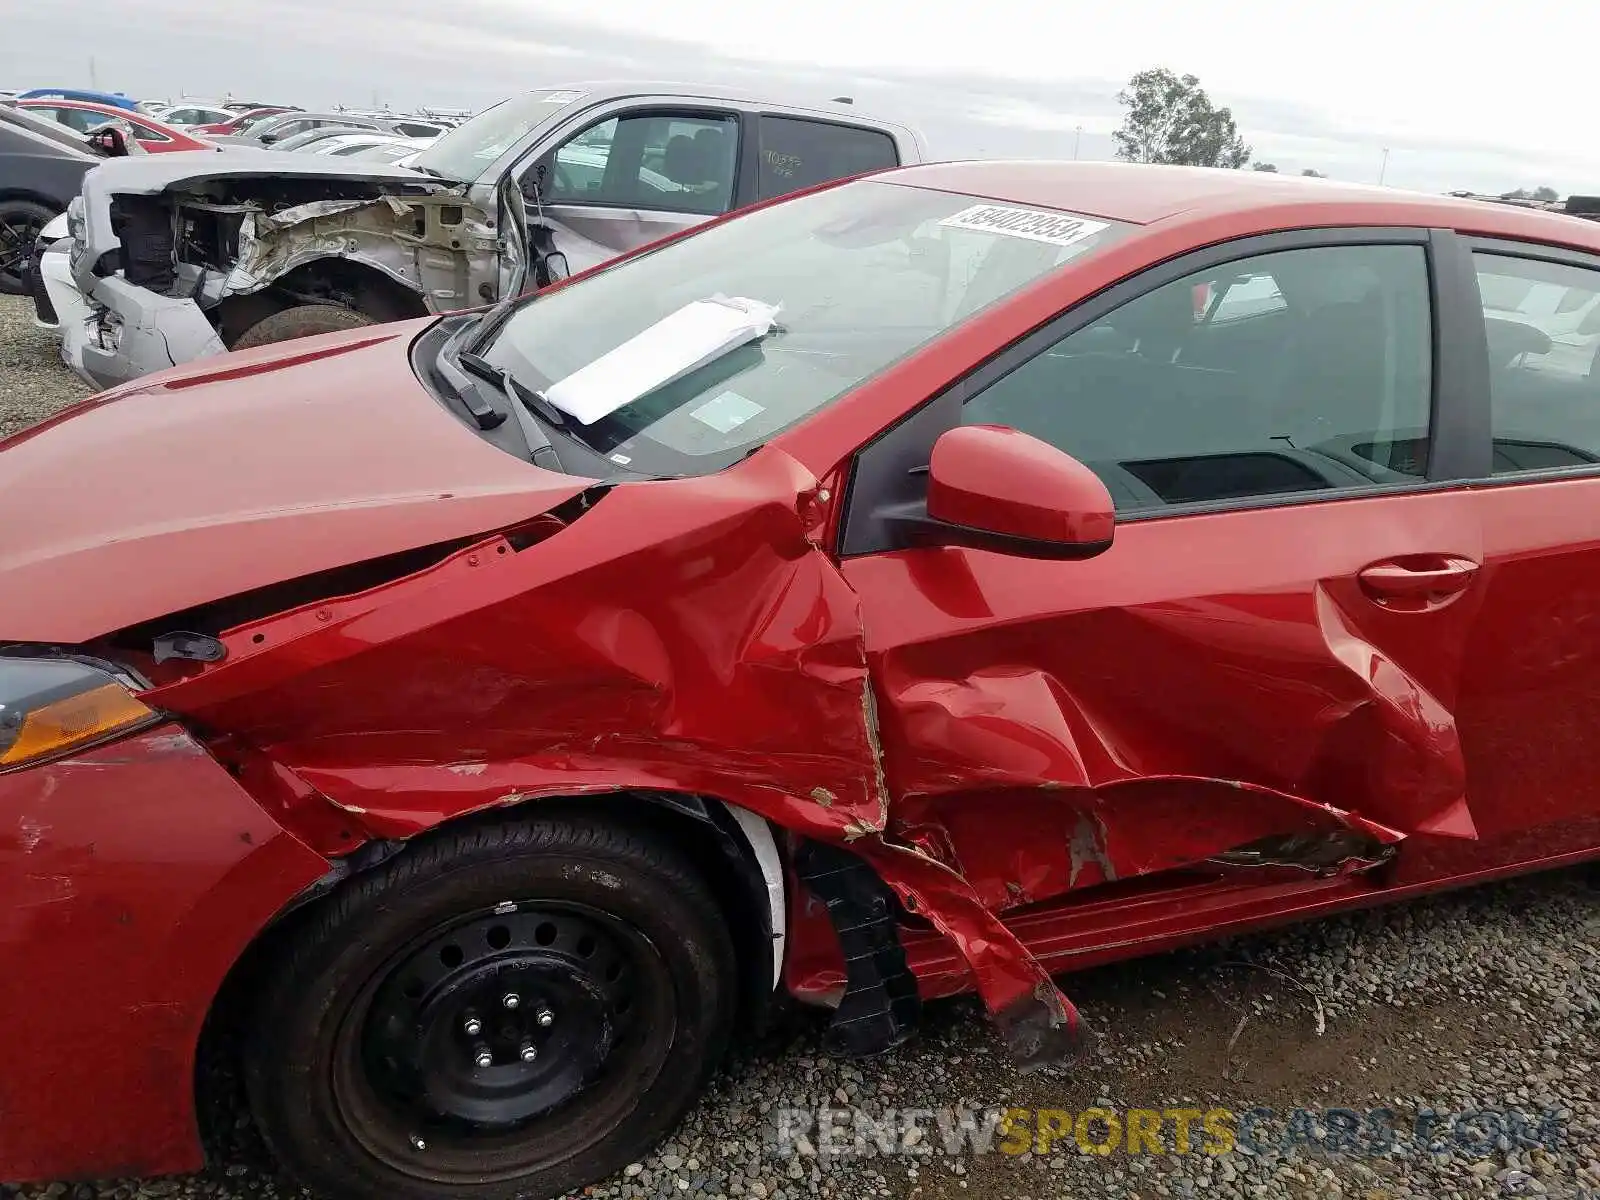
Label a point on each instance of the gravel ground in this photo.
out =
(1482, 1000)
(33, 382)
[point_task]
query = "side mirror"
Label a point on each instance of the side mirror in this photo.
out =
(995, 488)
(266, 139)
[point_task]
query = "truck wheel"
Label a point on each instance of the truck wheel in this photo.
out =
(303, 320)
(21, 222)
(511, 1010)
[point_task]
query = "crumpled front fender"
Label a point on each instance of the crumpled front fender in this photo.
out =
(685, 635)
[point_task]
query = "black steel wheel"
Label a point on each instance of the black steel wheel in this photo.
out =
(511, 1011)
(21, 223)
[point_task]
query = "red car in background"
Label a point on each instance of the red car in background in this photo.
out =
(899, 589)
(242, 122)
(155, 137)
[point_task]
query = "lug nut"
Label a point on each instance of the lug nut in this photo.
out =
(473, 1026)
(545, 1018)
(528, 1052)
(511, 1000)
(417, 1143)
(483, 1057)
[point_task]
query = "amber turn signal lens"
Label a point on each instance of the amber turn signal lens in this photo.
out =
(74, 720)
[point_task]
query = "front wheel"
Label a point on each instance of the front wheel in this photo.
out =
(503, 1011)
(21, 223)
(303, 320)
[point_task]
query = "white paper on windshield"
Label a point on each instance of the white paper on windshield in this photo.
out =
(1035, 224)
(696, 334)
(726, 411)
(562, 97)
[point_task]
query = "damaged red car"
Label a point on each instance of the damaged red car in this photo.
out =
(938, 581)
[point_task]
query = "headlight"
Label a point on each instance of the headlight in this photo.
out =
(49, 706)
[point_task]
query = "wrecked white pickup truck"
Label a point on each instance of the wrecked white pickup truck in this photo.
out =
(167, 261)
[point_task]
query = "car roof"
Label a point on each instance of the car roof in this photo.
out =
(1142, 194)
(298, 114)
(594, 91)
(127, 114)
(114, 99)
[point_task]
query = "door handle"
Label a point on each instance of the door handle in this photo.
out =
(1417, 583)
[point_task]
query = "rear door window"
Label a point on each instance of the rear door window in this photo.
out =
(73, 118)
(1542, 324)
(797, 153)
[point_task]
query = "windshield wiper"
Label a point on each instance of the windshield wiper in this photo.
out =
(466, 386)
(507, 382)
(527, 403)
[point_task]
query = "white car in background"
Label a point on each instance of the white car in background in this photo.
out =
(254, 246)
(189, 113)
(1519, 310)
(370, 147)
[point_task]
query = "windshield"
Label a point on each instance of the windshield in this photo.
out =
(256, 121)
(860, 275)
(466, 151)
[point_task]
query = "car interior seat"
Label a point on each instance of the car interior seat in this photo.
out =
(681, 162)
(715, 150)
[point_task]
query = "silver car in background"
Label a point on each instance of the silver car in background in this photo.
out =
(175, 261)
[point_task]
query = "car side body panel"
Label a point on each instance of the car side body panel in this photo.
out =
(161, 885)
(705, 636)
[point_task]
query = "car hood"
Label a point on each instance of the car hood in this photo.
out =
(233, 473)
(153, 174)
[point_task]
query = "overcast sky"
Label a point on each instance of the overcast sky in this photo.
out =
(1480, 94)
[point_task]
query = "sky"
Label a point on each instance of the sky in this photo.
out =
(1467, 94)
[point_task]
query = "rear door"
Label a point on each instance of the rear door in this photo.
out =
(1263, 668)
(1530, 697)
(793, 153)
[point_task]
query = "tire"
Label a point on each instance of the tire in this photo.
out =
(21, 222)
(363, 1043)
(303, 320)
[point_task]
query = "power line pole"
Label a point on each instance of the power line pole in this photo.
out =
(1383, 169)
(1077, 138)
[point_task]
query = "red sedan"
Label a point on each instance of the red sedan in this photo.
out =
(155, 136)
(481, 715)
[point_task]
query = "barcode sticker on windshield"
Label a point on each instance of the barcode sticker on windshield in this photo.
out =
(1035, 224)
(726, 411)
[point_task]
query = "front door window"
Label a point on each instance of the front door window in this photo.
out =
(654, 161)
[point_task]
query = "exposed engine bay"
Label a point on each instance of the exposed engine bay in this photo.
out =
(168, 274)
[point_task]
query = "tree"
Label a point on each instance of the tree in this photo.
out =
(1170, 119)
(1313, 174)
(1546, 193)
(1269, 168)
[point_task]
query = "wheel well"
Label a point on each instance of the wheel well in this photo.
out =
(32, 197)
(700, 828)
(345, 282)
